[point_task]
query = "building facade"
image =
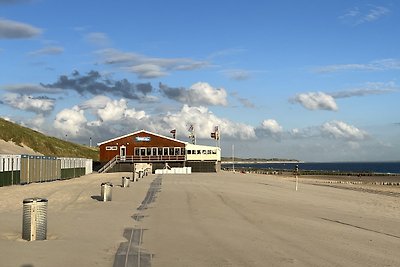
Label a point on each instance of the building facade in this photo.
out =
(118, 154)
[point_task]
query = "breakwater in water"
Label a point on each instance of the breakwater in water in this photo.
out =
(321, 168)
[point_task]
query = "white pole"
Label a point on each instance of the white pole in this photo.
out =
(233, 158)
(297, 181)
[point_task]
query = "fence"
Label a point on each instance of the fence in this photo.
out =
(23, 169)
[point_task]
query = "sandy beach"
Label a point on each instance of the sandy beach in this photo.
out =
(220, 219)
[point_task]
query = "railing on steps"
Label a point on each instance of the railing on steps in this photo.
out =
(117, 159)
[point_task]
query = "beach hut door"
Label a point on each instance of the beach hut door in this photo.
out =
(122, 152)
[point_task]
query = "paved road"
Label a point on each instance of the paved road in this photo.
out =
(258, 220)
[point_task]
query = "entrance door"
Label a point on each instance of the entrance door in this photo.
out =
(122, 152)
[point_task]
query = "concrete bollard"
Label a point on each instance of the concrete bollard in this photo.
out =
(125, 181)
(106, 191)
(34, 219)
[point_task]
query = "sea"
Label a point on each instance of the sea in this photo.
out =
(353, 167)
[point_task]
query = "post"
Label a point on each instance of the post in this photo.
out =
(296, 173)
(233, 158)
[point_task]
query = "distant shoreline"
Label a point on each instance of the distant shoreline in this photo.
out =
(259, 162)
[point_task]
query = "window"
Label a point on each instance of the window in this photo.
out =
(111, 148)
(154, 151)
(148, 151)
(189, 152)
(159, 151)
(137, 151)
(198, 152)
(208, 152)
(183, 151)
(165, 150)
(204, 152)
(177, 151)
(171, 151)
(142, 152)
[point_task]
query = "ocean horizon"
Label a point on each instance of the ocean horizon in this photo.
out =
(383, 167)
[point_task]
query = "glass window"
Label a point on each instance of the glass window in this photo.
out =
(165, 151)
(208, 152)
(204, 152)
(189, 152)
(154, 151)
(160, 151)
(183, 151)
(177, 150)
(171, 151)
(137, 151)
(142, 152)
(149, 151)
(198, 152)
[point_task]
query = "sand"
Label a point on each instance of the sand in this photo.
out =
(10, 148)
(220, 219)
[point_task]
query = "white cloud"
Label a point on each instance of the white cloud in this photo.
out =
(375, 88)
(29, 103)
(98, 38)
(377, 65)
(117, 110)
(147, 71)
(341, 130)
(204, 122)
(271, 126)
(28, 88)
(237, 74)
(97, 102)
(49, 50)
(359, 15)
(70, 121)
(148, 67)
(16, 30)
(316, 101)
(200, 93)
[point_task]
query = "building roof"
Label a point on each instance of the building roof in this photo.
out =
(141, 131)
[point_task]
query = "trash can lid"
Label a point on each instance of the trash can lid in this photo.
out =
(34, 199)
(107, 183)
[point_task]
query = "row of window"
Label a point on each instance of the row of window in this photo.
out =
(198, 152)
(159, 151)
(165, 151)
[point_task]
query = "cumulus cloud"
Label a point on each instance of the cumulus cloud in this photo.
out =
(95, 83)
(27, 88)
(341, 130)
(271, 126)
(148, 67)
(326, 101)
(117, 110)
(70, 121)
(204, 122)
(41, 104)
(114, 117)
(377, 65)
(49, 50)
(198, 94)
(316, 101)
(17, 30)
(97, 102)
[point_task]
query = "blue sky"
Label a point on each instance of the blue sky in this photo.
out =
(311, 80)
